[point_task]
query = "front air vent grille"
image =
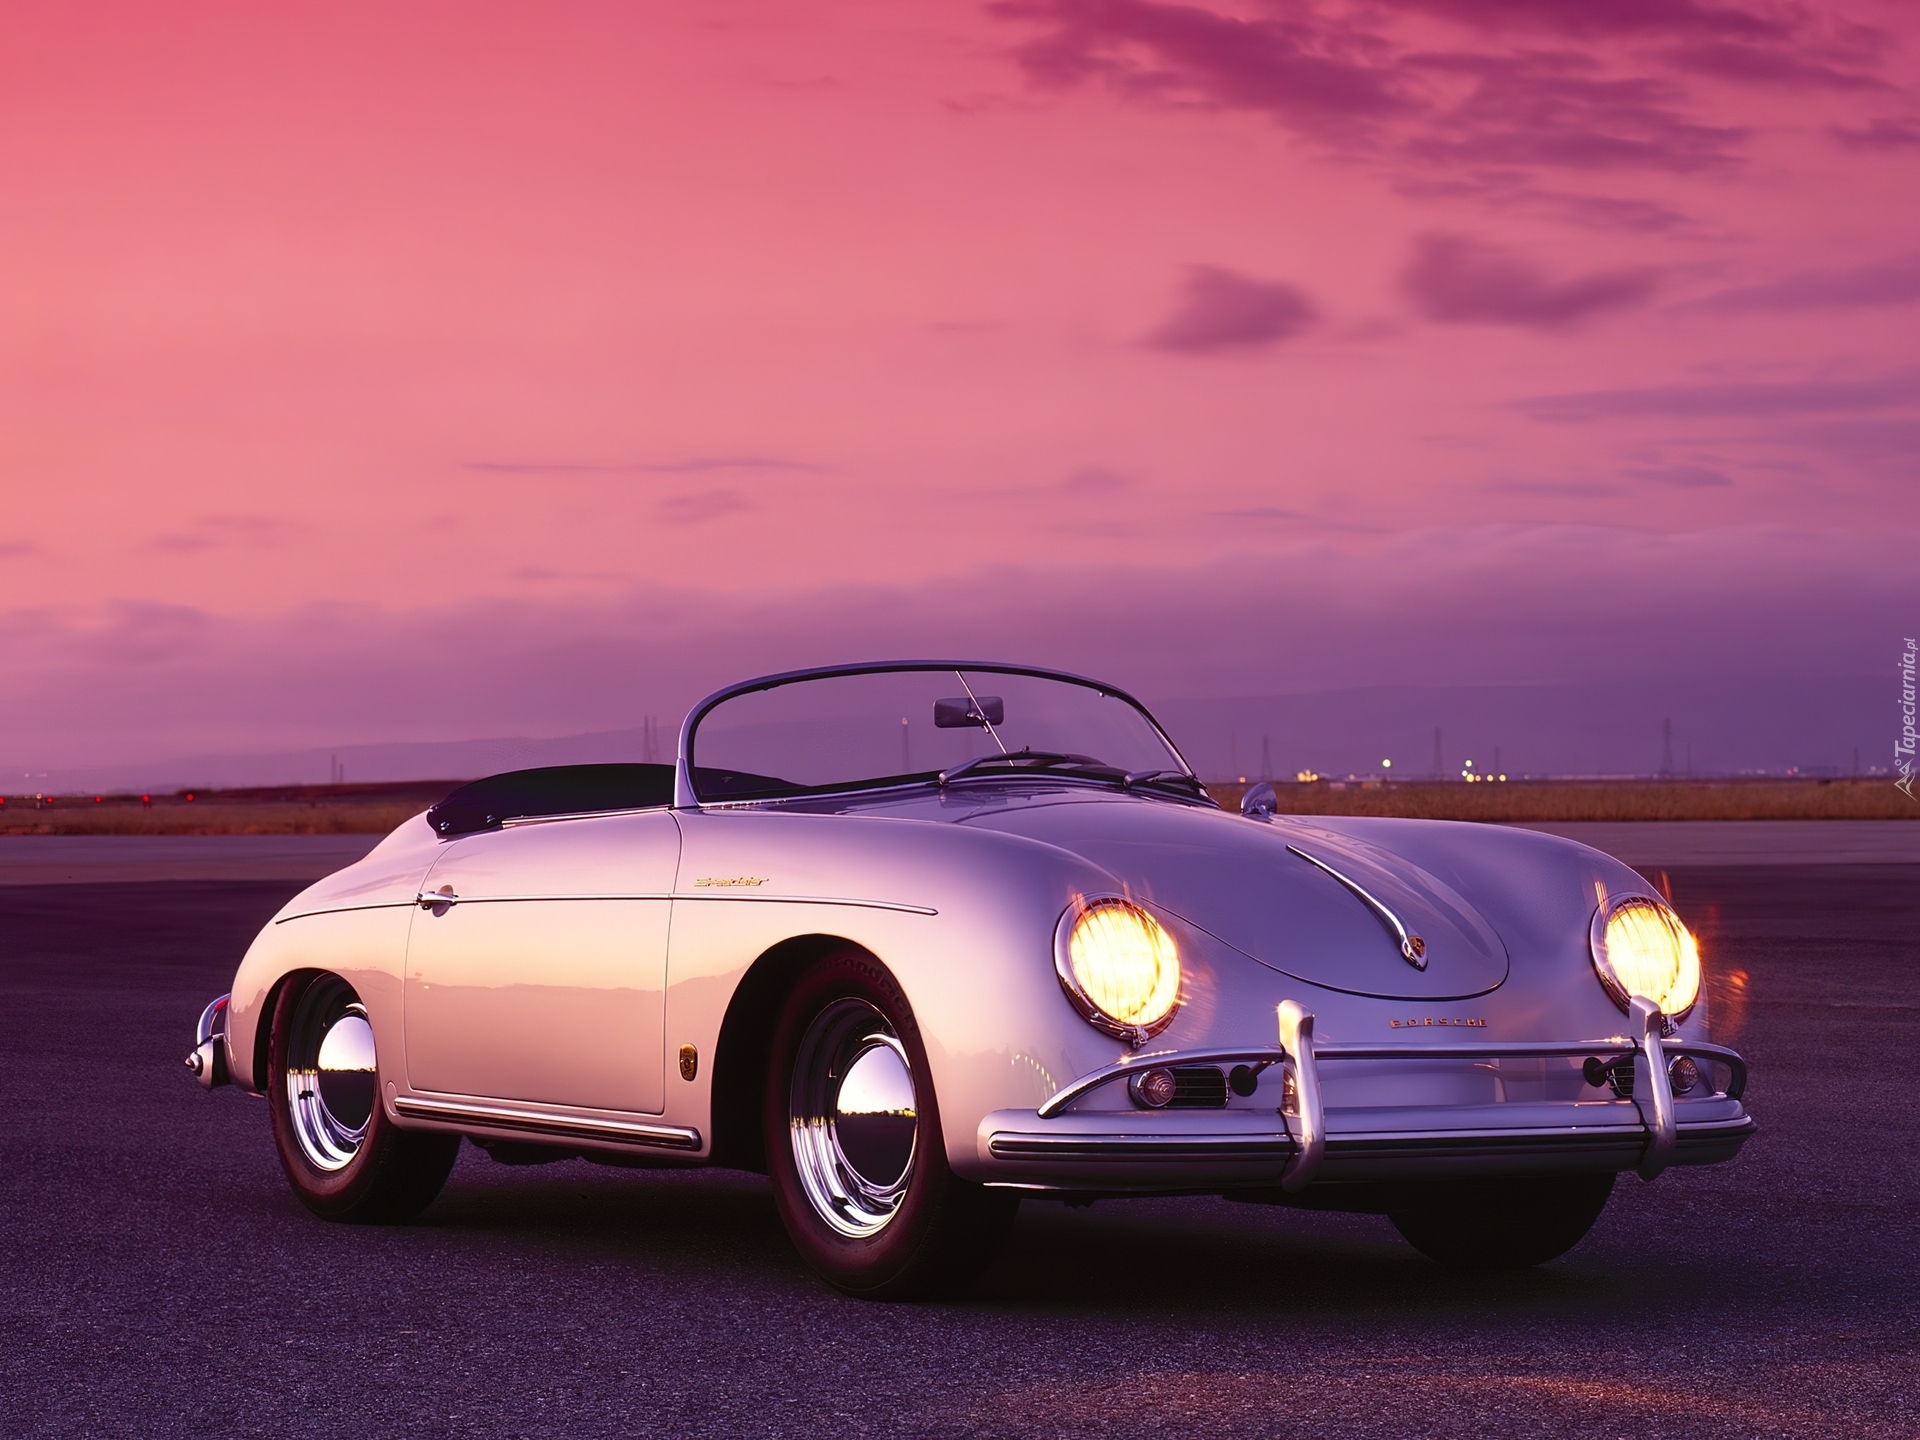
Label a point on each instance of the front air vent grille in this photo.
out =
(1198, 1087)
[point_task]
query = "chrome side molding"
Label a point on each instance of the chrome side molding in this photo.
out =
(441, 900)
(579, 1129)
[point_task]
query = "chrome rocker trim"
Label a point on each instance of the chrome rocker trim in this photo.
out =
(1303, 1141)
(579, 1129)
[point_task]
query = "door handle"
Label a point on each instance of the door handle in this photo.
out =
(439, 900)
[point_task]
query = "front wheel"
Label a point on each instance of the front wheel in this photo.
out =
(344, 1158)
(854, 1148)
(1501, 1224)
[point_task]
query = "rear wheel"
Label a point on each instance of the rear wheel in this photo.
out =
(1501, 1224)
(854, 1148)
(344, 1158)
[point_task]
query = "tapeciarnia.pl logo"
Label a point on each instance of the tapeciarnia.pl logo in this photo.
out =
(1903, 747)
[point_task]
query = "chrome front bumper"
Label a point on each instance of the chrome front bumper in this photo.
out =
(1305, 1142)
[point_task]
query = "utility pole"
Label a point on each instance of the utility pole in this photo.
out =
(1266, 758)
(1437, 771)
(1496, 760)
(1666, 749)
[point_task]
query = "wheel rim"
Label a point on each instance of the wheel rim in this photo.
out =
(853, 1118)
(331, 1074)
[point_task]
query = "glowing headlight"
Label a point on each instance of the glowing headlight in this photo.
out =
(1641, 948)
(1120, 969)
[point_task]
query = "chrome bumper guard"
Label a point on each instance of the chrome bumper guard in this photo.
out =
(1301, 1143)
(207, 1061)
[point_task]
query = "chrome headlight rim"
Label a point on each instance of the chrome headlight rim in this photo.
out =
(1597, 947)
(1083, 1003)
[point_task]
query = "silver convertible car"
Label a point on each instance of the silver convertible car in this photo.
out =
(918, 940)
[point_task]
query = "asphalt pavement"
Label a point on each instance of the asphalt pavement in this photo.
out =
(160, 1279)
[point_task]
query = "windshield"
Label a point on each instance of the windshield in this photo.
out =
(892, 727)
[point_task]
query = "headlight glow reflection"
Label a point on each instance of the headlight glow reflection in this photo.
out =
(1121, 969)
(1641, 948)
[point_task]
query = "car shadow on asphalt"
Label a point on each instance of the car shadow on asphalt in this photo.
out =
(1216, 1255)
(1197, 1253)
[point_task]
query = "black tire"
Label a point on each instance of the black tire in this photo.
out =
(344, 1158)
(919, 1233)
(1501, 1224)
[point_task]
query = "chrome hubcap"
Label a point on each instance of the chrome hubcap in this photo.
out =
(331, 1074)
(853, 1119)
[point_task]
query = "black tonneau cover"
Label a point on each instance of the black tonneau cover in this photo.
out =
(550, 790)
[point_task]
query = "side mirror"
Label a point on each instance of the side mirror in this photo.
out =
(1259, 802)
(962, 714)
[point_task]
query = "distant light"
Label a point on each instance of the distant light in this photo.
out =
(1469, 764)
(1503, 777)
(1386, 764)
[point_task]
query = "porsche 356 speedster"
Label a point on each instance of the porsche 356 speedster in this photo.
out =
(918, 940)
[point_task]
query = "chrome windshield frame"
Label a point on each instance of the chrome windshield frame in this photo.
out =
(686, 798)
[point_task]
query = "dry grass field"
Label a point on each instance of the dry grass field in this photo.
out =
(376, 809)
(299, 810)
(1598, 800)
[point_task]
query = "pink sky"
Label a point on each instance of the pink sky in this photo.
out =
(358, 363)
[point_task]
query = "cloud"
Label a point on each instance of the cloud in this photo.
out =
(1585, 86)
(1091, 480)
(1361, 81)
(1862, 440)
(1576, 19)
(1886, 133)
(258, 532)
(1460, 280)
(1279, 516)
(540, 573)
(1754, 65)
(1615, 212)
(702, 506)
(698, 465)
(1889, 282)
(1298, 71)
(1558, 489)
(1222, 311)
(17, 549)
(1681, 477)
(177, 543)
(1508, 189)
(1738, 399)
(1546, 110)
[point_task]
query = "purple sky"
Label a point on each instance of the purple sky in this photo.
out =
(483, 370)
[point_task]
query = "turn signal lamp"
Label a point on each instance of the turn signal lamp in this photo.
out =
(1641, 948)
(1119, 967)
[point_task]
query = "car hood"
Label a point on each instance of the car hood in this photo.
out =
(1241, 881)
